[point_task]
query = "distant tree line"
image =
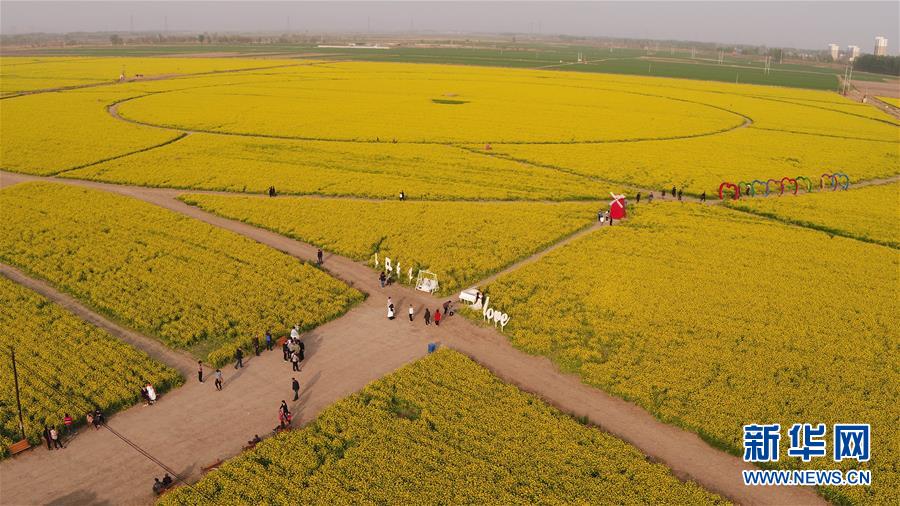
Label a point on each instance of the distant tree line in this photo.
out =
(878, 64)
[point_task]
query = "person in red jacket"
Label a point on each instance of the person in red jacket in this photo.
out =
(437, 316)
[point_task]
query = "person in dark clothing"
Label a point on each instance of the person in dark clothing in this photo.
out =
(402, 195)
(650, 198)
(382, 278)
(427, 316)
(447, 308)
(268, 341)
(673, 191)
(664, 194)
(167, 480)
(703, 197)
(680, 192)
(599, 216)
(301, 350)
(157, 486)
(286, 350)
(47, 437)
(638, 199)
(271, 191)
(199, 371)
(256, 346)
(98, 418)
(295, 385)
(238, 358)
(319, 256)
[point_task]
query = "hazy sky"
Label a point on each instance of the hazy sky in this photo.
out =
(796, 24)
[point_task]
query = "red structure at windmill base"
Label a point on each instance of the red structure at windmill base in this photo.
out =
(617, 206)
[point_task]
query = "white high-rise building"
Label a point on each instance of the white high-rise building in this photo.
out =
(880, 46)
(852, 52)
(835, 51)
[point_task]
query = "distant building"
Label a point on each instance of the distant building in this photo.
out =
(835, 51)
(852, 52)
(880, 46)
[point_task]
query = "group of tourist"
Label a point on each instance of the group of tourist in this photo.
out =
(293, 349)
(159, 486)
(428, 316)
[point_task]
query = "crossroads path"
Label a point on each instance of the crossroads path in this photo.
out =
(194, 426)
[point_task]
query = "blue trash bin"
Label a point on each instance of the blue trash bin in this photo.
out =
(432, 347)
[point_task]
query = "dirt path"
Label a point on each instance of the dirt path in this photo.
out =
(182, 362)
(195, 426)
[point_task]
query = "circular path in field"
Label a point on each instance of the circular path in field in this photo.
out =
(459, 105)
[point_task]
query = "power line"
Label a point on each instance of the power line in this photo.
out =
(127, 441)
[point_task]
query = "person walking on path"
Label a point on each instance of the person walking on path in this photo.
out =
(98, 416)
(703, 197)
(680, 192)
(664, 194)
(67, 423)
(89, 418)
(256, 345)
(295, 385)
(319, 256)
(301, 350)
(382, 278)
(238, 358)
(218, 375)
(295, 361)
(151, 393)
(412, 312)
(638, 199)
(600, 216)
(200, 370)
(47, 437)
(286, 350)
(437, 317)
(673, 191)
(427, 316)
(650, 198)
(54, 435)
(390, 312)
(268, 340)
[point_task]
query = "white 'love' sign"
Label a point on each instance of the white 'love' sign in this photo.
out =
(491, 314)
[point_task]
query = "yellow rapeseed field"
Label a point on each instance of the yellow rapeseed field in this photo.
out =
(65, 366)
(461, 242)
(52, 132)
(701, 164)
(869, 213)
(712, 318)
(22, 74)
(248, 164)
(193, 285)
(416, 103)
(890, 100)
(442, 430)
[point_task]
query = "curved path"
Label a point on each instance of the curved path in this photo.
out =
(195, 426)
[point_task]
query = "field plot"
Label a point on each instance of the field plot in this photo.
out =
(701, 164)
(442, 430)
(711, 318)
(422, 171)
(192, 285)
(461, 242)
(52, 132)
(869, 213)
(416, 103)
(22, 74)
(65, 366)
(890, 100)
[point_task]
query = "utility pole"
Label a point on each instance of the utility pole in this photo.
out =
(18, 399)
